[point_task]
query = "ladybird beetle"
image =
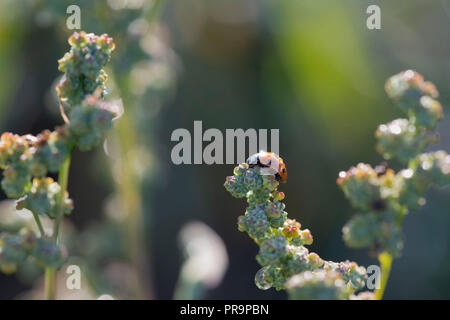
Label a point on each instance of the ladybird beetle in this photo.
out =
(270, 161)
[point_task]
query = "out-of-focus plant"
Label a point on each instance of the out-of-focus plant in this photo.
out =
(142, 75)
(28, 159)
(286, 262)
(382, 196)
(205, 264)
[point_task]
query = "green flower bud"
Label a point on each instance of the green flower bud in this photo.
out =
(407, 87)
(48, 254)
(375, 231)
(28, 238)
(12, 146)
(429, 114)
(434, 167)
(401, 139)
(361, 186)
(12, 252)
(242, 224)
(8, 267)
(88, 124)
(235, 186)
(16, 179)
(52, 149)
(83, 68)
(278, 195)
(256, 224)
(354, 276)
(291, 229)
(314, 260)
(43, 198)
(272, 251)
(306, 237)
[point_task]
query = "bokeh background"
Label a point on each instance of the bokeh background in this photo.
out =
(310, 68)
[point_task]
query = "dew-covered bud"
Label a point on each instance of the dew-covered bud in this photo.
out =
(360, 185)
(272, 251)
(278, 195)
(241, 224)
(361, 230)
(375, 231)
(401, 139)
(434, 167)
(306, 237)
(291, 228)
(354, 275)
(317, 285)
(240, 169)
(314, 260)
(236, 187)
(429, 114)
(269, 182)
(416, 98)
(408, 86)
(256, 224)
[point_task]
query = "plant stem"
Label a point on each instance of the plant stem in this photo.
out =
(50, 273)
(39, 224)
(50, 283)
(385, 263)
(63, 179)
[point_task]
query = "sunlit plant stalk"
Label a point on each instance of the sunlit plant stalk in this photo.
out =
(129, 183)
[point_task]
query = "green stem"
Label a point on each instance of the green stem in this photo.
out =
(50, 283)
(385, 263)
(50, 273)
(39, 224)
(63, 179)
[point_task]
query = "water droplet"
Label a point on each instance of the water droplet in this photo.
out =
(260, 282)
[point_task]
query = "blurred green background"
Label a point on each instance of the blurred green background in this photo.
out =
(308, 67)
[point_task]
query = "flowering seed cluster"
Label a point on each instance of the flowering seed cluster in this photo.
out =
(282, 241)
(83, 68)
(382, 196)
(26, 160)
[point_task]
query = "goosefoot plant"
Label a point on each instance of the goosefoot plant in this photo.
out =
(382, 196)
(286, 262)
(28, 159)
